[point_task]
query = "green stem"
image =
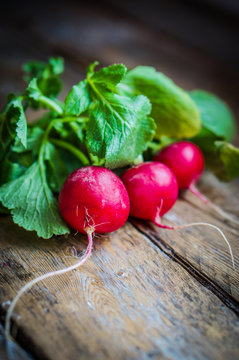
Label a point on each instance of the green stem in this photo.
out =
(60, 143)
(51, 104)
(79, 154)
(44, 140)
(95, 90)
(79, 119)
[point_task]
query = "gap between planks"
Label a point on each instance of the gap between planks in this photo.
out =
(202, 278)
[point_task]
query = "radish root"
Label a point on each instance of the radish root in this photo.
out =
(89, 230)
(179, 227)
(203, 198)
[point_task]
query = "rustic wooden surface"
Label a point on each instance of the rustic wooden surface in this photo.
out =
(146, 293)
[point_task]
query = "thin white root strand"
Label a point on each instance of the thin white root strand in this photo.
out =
(45, 276)
(214, 227)
(204, 199)
(224, 214)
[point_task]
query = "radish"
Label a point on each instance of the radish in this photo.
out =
(153, 190)
(186, 161)
(92, 199)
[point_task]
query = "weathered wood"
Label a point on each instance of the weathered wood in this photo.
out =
(129, 301)
(202, 246)
(83, 33)
(146, 292)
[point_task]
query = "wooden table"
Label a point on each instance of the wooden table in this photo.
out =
(146, 293)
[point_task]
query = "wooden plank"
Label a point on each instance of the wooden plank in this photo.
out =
(194, 23)
(130, 301)
(93, 32)
(203, 248)
(11, 350)
(83, 33)
(224, 195)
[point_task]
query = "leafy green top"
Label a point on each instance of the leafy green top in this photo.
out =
(110, 118)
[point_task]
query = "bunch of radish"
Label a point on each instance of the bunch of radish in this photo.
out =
(95, 200)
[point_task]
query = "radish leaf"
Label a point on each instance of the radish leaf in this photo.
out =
(78, 99)
(118, 128)
(215, 114)
(174, 112)
(34, 207)
(13, 125)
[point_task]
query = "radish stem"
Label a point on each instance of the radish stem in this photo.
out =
(197, 193)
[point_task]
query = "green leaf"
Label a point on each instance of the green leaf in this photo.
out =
(34, 69)
(70, 160)
(34, 140)
(173, 110)
(39, 69)
(34, 93)
(32, 203)
(91, 68)
(56, 169)
(50, 86)
(47, 75)
(215, 115)
(56, 65)
(223, 160)
(119, 129)
(78, 99)
(13, 126)
(10, 170)
(21, 122)
(108, 77)
(218, 125)
(33, 90)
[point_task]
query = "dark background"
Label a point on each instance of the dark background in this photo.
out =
(195, 42)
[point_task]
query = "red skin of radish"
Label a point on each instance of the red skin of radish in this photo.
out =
(185, 160)
(152, 189)
(94, 197)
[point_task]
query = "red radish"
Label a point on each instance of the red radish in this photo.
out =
(186, 161)
(92, 199)
(153, 190)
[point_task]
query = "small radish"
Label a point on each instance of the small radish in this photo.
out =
(185, 160)
(153, 190)
(92, 199)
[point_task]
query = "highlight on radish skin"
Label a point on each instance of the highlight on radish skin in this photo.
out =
(153, 189)
(92, 199)
(96, 197)
(186, 161)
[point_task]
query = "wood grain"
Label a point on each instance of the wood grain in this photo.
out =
(203, 247)
(129, 301)
(146, 293)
